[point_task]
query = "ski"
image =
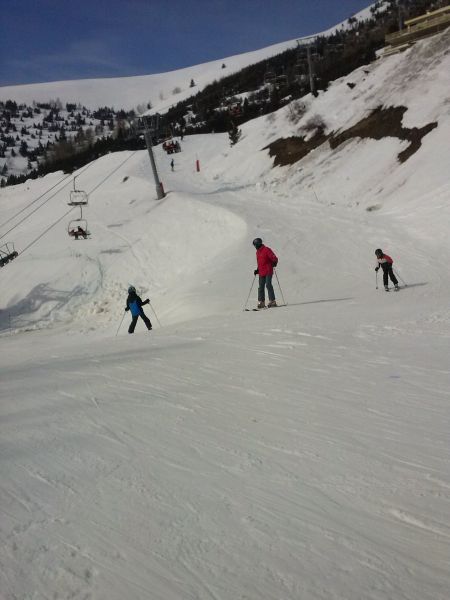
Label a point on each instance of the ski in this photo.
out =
(265, 308)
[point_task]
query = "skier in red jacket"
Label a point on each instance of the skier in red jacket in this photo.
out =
(385, 262)
(266, 261)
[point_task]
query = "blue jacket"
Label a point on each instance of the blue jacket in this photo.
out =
(135, 304)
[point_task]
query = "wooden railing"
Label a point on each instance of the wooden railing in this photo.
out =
(420, 27)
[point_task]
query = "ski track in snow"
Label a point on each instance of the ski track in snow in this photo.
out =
(291, 471)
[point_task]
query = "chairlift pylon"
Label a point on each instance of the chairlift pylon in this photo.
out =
(7, 253)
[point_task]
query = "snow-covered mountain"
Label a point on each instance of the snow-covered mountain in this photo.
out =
(297, 452)
(162, 90)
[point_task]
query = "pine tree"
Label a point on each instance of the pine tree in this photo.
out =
(234, 134)
(23, 148)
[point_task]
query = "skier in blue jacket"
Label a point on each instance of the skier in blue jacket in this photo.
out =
(135, 304)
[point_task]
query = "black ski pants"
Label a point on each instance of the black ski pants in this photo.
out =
(388, 272)
(134, 320)
(265, 281)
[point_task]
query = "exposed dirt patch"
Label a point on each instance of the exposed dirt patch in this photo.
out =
(381, 123)
(288, 151)
(385, 122)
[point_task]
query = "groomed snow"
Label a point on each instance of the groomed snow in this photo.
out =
(294, 453)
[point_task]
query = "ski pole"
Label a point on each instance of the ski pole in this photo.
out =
(376, 280)
(159, 322)
(253, 283)
(278, 281)
(396, 273)
(120, 324)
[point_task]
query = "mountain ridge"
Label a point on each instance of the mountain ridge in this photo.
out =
(111, 91)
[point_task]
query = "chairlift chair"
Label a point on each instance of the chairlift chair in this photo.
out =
(336, 48)
(302, 78)
(137, 125)
(151, 123)
(282, 79)
(78, 229)
(269, 77)
(78, 198)
(300, 70)
(7, 253)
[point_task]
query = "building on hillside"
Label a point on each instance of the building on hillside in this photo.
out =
(422, 26)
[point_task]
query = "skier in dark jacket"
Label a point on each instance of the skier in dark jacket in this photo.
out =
(385, 262)
(266, 261)
(135, 304)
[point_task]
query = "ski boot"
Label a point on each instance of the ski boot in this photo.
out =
(261, 304)
(272, 303)
(396, 288)
(386, 288)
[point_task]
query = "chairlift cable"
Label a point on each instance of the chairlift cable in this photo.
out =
(69, 211)
(47, 230)
(29, 215)
(112, 172)
(41, 205)
(35, 200)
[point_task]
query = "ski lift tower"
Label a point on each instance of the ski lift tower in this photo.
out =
(308, 44)
(151, 127)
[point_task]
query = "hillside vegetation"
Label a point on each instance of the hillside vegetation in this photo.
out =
(43, 137)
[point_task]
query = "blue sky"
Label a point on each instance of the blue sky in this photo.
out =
(51, 40)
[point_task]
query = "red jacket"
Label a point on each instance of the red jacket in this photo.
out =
(385, 259)
(266, 260)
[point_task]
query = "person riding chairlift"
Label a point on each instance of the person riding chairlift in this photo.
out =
(79, 232)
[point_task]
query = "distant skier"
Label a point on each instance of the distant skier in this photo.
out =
(172, 164)
(266, 261)
(385, 262)
(135, 304)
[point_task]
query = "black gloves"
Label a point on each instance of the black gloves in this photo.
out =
(146, 301)
(275, 263)
(255, 272)
(127, 308)
(376, 268)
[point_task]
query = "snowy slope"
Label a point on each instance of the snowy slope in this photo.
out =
(299, 452)
(128, 92)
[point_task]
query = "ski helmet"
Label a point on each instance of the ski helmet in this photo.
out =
(131, 289)
(257, 242)
(379, 252)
